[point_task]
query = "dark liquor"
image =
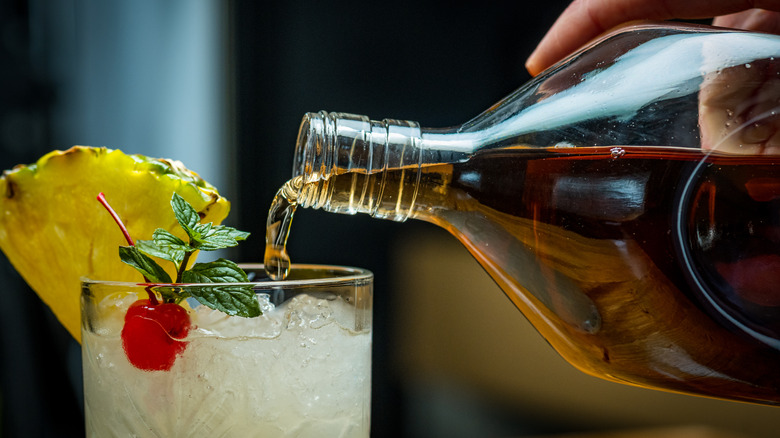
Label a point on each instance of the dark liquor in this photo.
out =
(657, 267)
(652, 266)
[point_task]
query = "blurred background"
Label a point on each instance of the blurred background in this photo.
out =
(222, 86)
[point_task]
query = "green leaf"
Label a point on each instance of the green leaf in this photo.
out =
(202, 230)
(186, 215)
(230, 298)
(219, 237)
(218, 271)
(221, 292)
(166, 246)
(206, 237)
(143, 264)
(164, 237)
(233, 299)
(151, 249)
(232, 233)
(173, 254)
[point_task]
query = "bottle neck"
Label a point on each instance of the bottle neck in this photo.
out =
(351, 164)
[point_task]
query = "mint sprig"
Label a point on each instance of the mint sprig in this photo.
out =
(151, 271)
(232, 299)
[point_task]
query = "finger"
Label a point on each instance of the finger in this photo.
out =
(738, 109)
(754, 19)
(585, 19)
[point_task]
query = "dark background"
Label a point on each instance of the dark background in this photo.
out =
(439, 63)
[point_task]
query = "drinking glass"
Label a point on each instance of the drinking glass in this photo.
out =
(302, 368)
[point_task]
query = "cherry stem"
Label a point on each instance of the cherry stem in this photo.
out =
(102, 199)
(152, 296)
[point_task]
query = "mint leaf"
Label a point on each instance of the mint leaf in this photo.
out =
(218, 271)
(165, 246)
(233, 299)
(220, 292)
(228, 233)
(206, 237)
(152, 249)
(186, 215)
(163, 237)
(143, 264)
(219, 237)
(198, 235)
(202, 230)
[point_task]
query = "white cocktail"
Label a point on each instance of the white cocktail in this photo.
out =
(301, 369)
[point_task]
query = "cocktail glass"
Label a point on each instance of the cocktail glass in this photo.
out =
(302, 369)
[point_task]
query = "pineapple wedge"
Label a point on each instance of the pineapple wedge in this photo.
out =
(54, 231)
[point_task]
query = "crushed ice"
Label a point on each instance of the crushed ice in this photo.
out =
(305, 311)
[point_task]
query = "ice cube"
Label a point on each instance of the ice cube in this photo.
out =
(212, 322)
(308, 311)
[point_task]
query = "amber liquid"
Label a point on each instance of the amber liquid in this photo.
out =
(277, 229)
(657, 267)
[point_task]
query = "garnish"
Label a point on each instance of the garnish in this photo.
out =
(151, 336)
(234, 300)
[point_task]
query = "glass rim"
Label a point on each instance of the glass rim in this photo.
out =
(351, 275)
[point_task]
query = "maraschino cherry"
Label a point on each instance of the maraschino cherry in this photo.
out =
(152, 334)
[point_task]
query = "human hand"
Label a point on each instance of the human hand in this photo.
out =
(583, 20)
(739, 111)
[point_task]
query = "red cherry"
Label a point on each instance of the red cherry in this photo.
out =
(150, 336)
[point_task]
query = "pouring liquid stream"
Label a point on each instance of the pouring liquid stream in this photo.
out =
(280, 215)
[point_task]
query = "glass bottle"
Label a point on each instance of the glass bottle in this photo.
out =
(627, 201)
